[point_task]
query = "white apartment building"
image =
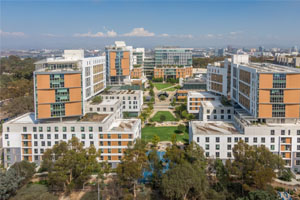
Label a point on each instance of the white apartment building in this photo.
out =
(208, 107)
(25, 138)
(132, 100)
(218, 139)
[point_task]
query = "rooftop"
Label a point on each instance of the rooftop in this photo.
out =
(200, 94)
(271, 68)
(211, 128)
(114, 91)
(93, 117)
(123, 124)
(213, 104)
(105, 102)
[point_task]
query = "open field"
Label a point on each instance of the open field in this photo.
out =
(164, 133)
(160, 86)
(169, 116)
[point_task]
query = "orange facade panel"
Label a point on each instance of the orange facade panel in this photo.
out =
(43, 81)
(288, 140)
(44, 111)
(287, 155)
(126, 54)
(73, 109)
(264, 96)
(292, 96)
(292, 111)
(45, 96)
(292, 81)
(265, 111)
(265, 80)
(72, 80)
(75, 94)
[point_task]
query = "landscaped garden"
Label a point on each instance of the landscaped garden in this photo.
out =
(160, 86)
(164, 133)
(167, 116)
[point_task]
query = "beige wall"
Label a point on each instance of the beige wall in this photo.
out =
(265, 111)
(265, 80)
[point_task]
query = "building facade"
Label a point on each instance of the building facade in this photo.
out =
(119, 63)
(173, 56)
(175, 72)
(62, 84)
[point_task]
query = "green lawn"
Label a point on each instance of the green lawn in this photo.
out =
(160, 86)
(169, 116)
(164, 133)
(170, 89)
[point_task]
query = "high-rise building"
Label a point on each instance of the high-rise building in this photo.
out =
(173, 56)
(119, 62)
(138, 56)
(62, 84)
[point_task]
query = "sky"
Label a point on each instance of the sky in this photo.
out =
(62, 24)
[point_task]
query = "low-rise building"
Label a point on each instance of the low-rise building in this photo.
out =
(175, 72)
(26, 138)
(218, 139)
(132, 100)
(113, 106)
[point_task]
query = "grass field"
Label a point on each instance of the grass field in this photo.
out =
(170, 89)
(164, 133)
(160, 86)
(169, 116)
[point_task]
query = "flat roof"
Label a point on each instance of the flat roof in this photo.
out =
(105, 102)
(271, 68)
(123, 124)
(213, 127)
(201, 94)
(93, 117)
(117, 91)
(213, 104)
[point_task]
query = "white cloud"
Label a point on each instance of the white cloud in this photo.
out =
(50, 35)
(14, 34)
(210, 35)
(111, 33)
(164, 35)
(139, 32)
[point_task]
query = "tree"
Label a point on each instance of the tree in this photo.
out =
(162, 118)
(125, 115)
(132, 166)
(155, 140)
(97, 100)
(70, 165)
(10, 181)
(156, 167)
(24, 169)
(254, 167)
(286, 175)
(181, 128)
(260, 195)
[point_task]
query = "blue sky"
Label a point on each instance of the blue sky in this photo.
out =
(190, 23)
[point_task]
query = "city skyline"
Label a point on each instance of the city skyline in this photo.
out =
(95, 24)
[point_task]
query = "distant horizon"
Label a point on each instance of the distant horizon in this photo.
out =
(93, 24)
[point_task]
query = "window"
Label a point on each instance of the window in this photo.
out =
(101, 143)
(101, 136)
(98, 109)
(222, 111)
(41, 136)
(48, 136)
(109, 157)
(228, 154)
(208, 117)
(73, 135)
(229, 139)
(108, 136)
(272, 147)
(91, 143)
(35, 136)
(108, 143)
(82, 129)
(217, 154)
(214, 111)
(36, 158)
(298, 132)
(111, 109)
(40, 129)
(109, 150)
(228, 147)
(263, 140)
(49, 143)
(272, 140)
(207, 139)
(90, 136)
(217, 147)
(282, 132)
(119, 143)
(34, 129)
(246, 139)
(228, 111)
(100, 129)
(43, 143)
(6, 136)
(207, 154)
(198, 139)
(298, 147)
(48, 129)
(229, 116)
(90, 129)
(56, 129)
(64, 129)
(119, 150)
(56, 136)
(64, 136)
(83, 143)
(298, 140)
(72, 129)
(222, 116)
(83, 136)
(217, 139)
(119, 136)
(272, 132)
(104, 109)
(255, 140)
(42, 150)
(215, 116)
(208, 111)
(91, 109)
(24, 129)
(207, 147)
(36, 151)
(236, 139)
(35, 143)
